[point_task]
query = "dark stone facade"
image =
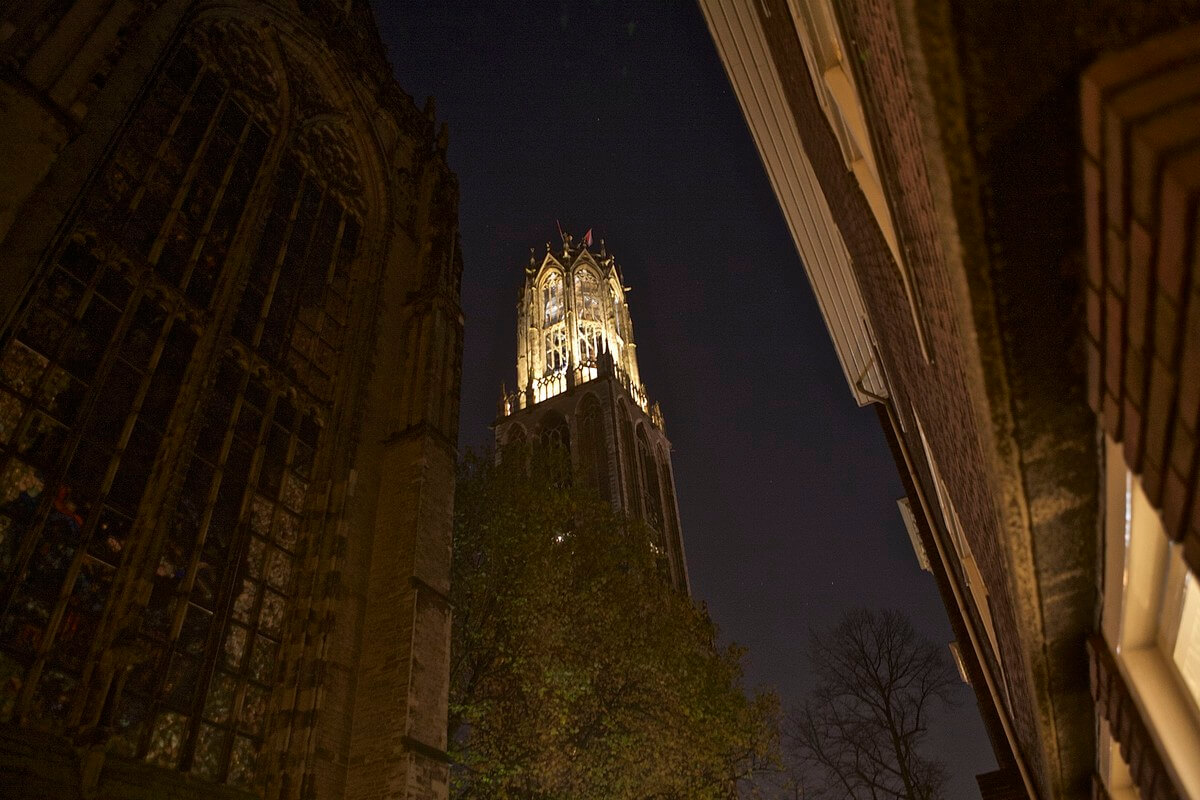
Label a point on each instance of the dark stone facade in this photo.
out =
(230, 350)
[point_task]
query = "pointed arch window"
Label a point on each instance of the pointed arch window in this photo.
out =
(555, 344)
(593, 449)
(556, 350)
(88, 381)
(92, 373)
(651, 496)
(633, 493)
(552, 294)
(588, 297)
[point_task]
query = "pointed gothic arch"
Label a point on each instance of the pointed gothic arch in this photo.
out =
(162, 244)
(592, 452)
(633, 491)
(651, 495)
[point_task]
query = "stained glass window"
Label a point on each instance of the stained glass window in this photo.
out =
(90, 379)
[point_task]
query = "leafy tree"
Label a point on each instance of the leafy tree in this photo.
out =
(577, 672)
(859, 734)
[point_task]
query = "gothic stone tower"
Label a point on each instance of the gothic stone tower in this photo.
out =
(578, 385)
(229, 371)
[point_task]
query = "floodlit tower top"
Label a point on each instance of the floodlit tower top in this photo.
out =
(573, 325)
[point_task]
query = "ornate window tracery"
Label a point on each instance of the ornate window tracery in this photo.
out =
(588, 297)
(556, 345)
(556, 351)
(593, 448)
(89, 380)
(632, 484)
(590, 301)
(552, 291)
(651, 496)
(201, 703)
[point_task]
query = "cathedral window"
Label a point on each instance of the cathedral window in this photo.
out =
(651, 497)
(87, 386)
(553, 293)
(629, 445)
(90, 376)
(225, 581)
(588, 298)
(593, 448)
(556, 351)
(591, 338)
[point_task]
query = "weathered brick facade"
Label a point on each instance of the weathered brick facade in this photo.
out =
(1141, 116)
(230, 352)
(964, 118)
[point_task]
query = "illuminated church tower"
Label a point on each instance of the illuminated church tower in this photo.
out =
(578, 385)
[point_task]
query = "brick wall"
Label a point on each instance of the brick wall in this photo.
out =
(998, 388)
(939, 389)
(1141, 124)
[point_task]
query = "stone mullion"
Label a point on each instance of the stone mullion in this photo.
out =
(134, 594)
(114, 608)
(218, 195)
(139, 554)
(223, 605)
(34, 536)
(269, 296)
(193, 167)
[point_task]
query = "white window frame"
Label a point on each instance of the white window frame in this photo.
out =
(832, 76)
(1144, 580)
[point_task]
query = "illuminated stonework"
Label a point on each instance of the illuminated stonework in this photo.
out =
(578, 386)
(572, 316)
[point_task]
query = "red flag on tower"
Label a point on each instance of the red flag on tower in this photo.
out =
(587, 238)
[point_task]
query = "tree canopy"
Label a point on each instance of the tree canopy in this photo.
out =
(577, 671)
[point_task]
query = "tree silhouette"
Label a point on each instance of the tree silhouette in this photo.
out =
(859, 734)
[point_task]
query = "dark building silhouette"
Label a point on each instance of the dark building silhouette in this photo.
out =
(230, 352)
(578, 386)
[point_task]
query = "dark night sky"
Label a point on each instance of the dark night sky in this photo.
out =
(619, 117)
